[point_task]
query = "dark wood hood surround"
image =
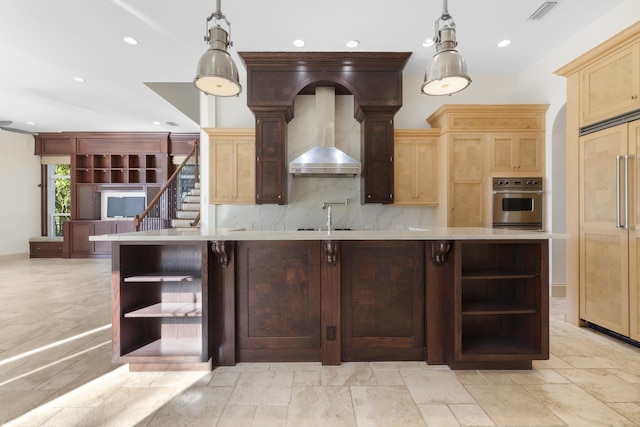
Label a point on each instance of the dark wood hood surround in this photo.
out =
(373, 78)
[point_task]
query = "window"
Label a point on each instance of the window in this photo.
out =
(58, 197)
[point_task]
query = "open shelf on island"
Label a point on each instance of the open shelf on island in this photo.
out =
(501, 304)
(162, 277)
(497, 274)
(168, 309)
(497, 307)
(161, 318)
(170, 347)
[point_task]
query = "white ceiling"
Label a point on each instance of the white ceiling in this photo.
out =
(45, 43)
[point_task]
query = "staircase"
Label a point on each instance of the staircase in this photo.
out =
(188, 210)
(169, 209)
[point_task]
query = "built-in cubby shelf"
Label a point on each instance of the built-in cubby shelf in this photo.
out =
(119, 168)
(160, 314)
(501, 304)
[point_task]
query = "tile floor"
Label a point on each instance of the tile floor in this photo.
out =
(55, 370)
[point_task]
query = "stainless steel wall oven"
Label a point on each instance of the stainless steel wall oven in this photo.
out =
(518, 203)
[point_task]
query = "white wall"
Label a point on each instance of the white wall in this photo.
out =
(19, 192)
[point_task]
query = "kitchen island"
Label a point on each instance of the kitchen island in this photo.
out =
(467, 297)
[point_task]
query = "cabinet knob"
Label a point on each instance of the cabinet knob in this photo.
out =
(368, 196)
(634, 96)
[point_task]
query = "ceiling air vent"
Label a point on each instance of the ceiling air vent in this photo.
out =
(543, 10)
(172, 124)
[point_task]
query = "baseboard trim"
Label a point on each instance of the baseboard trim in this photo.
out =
(12, 257)
(558, 290)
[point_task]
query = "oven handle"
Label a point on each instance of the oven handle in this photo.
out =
(517, 192)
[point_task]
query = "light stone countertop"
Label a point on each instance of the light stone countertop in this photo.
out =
(235, 234)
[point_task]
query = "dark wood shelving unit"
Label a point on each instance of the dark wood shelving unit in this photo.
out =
(119, 169)
(500, 304)
(160, 305)
(108, 161)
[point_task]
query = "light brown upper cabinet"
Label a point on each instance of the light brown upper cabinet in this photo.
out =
(517, 153)
(610, 86)
(232, 159)
(479, 142)
(416, 166)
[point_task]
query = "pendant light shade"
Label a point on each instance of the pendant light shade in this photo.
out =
(217, 74)
(447, 73)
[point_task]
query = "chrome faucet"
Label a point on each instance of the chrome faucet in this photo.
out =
(329, 218)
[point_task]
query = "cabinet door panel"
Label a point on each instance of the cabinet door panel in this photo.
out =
(404, 182)
(271, 137)
(233, 161)
(269, 178)
(611, 86)
(80, 232)
(467, 156)
(529, 153)
(502, 153)
(416, 167)
(245, 171)
(467, 205)
(223, 188)
(427, 172)
(84, 202)
(382, 301)
(279, 301)
(377, 158)
(604, 265)
(467, 190)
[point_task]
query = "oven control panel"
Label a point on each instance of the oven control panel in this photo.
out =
(518, 183)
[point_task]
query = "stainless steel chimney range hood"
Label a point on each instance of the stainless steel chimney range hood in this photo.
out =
(324, 159)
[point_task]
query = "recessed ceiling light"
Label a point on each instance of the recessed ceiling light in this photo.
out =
(78, 79)
(130, 40)
(157, 123)
(504, 43)
(31, 123)
(353, 43)
(299, 43)
(428, 43)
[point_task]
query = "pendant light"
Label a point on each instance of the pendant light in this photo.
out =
(447, 73)
(217, 74)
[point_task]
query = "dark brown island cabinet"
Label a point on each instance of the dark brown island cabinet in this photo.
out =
(197, 304)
